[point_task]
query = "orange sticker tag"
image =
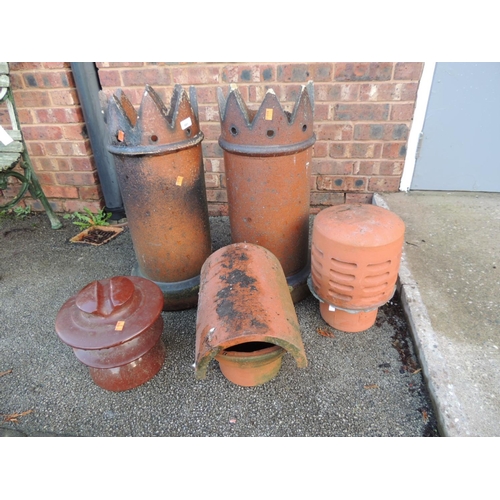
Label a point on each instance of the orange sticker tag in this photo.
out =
(121, 135)
(269, 113)
(179, 180)
(119, 326)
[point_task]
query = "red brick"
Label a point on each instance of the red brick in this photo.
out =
(256, 93)
(36, 206)
(364, 150)
(68, 148)
(22, 66)
(46, 178)
(218, 209)
(384, 184)
(408, 71)
(209, 113)
(78, 205)
(60, 191)
(52, 164)
(16, 81)
(35, 148)
(217, 195)
(31, 99)
(196, 75)
(82, 164)
(380, 131)
(76, 178)
(334, 132)
(212, 180)
(292, 72)
(320, 149)
(333, 167)
(360, 112)
(211, 131)
(25, 116)
(391, 168)
(394, 150)
(119, 64)
(211, 149)
(90, 192)
(358, 198)
(241, 74)
(339, 150)
(42, 132)
(49, 80)
(402, 112)
(409, 91)
(206, 95)
(325, 92)
(141, 77)
(64, 97)
(312, 182)
(341, 183)
(289, 95)
(366, 168)
(74, 132)
(109, 78)
(56, 65)
(327, 198)
(381, 92)
(321, 112)
(59, 115)
(214, 165)
(363, 71)
(320, 72)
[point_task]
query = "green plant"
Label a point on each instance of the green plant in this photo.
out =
(19, 212)
(22, 212)
(89, 219)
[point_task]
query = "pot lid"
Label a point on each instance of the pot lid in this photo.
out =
(109, 312)
(360, 225)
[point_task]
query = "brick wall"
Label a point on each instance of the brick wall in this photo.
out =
(55, 135)
(363, 113)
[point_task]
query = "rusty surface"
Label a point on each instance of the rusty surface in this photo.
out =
(267, 157)
(244, 298)
(355, 257)
(160, 170)
(114, 326)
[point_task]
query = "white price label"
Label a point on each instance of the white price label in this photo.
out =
(186, 123)
(5, 138)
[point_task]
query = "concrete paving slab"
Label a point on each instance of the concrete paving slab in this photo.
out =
(450, 284)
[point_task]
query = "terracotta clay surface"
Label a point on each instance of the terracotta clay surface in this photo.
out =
(355, 257)
(160, 170)
(244, 298)
(267, 158)
(114, 327)
(251, 366)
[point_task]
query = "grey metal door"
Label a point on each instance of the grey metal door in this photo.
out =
(458, 149)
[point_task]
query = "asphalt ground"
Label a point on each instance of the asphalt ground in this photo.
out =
(365, 384)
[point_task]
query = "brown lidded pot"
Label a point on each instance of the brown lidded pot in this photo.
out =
(114, 327)
(246, 319)
(355, 256)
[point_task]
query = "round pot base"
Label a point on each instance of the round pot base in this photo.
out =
(133, 374)
(177, 295)
(297, 284)
(346, 321)
(251, 363)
